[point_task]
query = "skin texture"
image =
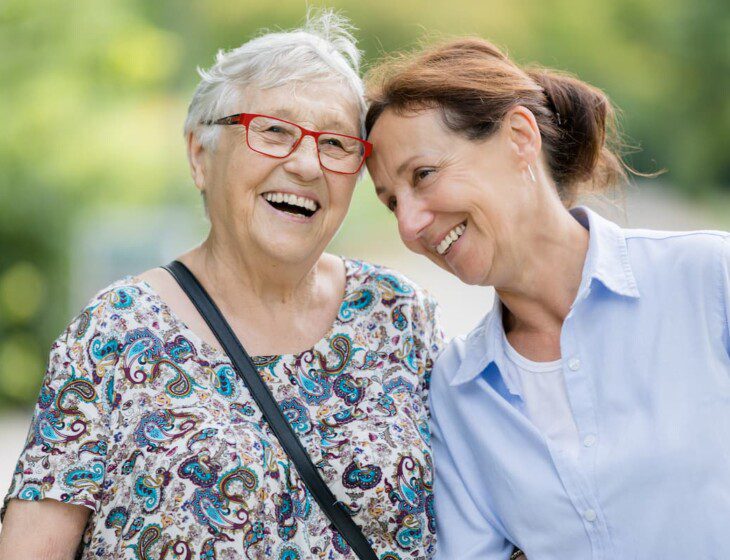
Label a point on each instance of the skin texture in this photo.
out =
(44, 530)
(263, 268)
(519, 237)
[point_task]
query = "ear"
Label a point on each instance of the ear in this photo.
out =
(524, 134)
(196, 159)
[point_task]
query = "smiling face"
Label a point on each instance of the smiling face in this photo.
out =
(286, 210)
(462, 203)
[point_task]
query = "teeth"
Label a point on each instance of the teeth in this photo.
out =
(452, 236)
(292, 199)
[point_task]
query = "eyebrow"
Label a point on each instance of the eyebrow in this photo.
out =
(331, 125)
(402, 167)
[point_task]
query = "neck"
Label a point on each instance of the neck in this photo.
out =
(245, 277)
(549, 270)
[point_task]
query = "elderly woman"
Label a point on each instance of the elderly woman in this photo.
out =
(145, 443)
(588, 415)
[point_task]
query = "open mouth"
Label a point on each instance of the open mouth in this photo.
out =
(451, 238)
(292, 204)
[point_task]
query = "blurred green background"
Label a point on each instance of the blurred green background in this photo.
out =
(94, 94)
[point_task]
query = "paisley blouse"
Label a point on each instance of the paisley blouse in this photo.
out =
(147, 425)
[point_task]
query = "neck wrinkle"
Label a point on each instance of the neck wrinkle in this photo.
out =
(540, 298)
(241, 278)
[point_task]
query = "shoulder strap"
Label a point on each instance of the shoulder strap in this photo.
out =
(334, 509)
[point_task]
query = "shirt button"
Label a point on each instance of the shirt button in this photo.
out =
(589, 515)
(589, 440)
(574, 364)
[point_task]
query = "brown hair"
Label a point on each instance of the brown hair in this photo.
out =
(475, 85)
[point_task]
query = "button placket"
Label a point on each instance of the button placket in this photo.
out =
(580, 391)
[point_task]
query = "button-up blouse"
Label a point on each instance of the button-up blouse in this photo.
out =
(646, 361)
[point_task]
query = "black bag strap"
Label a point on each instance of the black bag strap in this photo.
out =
(242, 364)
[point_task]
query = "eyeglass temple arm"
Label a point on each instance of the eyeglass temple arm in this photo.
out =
(233, 119)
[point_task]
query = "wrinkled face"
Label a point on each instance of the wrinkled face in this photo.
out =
(285, 209)
(460, 202)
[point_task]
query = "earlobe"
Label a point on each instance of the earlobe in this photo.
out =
(196, 160)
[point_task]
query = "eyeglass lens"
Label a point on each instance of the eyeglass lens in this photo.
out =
(277, 138)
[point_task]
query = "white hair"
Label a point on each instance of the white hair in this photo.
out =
(324, 49)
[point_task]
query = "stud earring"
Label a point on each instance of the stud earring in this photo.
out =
(532, 174)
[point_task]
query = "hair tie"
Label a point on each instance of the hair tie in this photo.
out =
(552, 107)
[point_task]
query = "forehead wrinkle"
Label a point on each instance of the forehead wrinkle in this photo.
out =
(327, 123)
(290, 102)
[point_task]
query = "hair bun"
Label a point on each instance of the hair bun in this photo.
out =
(586, 122)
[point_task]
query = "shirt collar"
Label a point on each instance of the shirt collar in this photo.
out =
(608, 258)
(482, 346)
(607, 261)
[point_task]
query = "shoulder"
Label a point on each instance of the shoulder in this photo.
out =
(698, 245)
(390, 297)
(392, 286)
(83, 356)
(461, 353)
(690, 255)
(368, 273)
(109, 310)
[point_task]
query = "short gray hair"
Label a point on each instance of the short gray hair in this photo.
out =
(323, 49)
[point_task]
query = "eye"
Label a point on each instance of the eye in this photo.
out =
(334, 142)
(422, 173)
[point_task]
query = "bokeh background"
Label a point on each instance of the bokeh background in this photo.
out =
(94, 182)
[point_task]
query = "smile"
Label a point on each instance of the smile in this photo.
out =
(291, 203)
(450, 238)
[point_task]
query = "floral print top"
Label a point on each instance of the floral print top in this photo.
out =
(150, 427)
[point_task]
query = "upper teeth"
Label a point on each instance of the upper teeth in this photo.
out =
(452, 236)
(292, 199)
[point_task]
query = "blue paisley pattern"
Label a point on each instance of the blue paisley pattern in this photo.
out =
(141, 421)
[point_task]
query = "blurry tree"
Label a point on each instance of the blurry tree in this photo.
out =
(94, 97)
(89, 120)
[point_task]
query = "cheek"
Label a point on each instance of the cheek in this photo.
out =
(340, 193)
(235, 176)
(450, 193)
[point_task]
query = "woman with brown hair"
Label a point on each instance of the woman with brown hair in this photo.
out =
(587, 415)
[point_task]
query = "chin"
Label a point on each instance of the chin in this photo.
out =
(473, 272)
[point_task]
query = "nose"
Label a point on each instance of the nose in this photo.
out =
(413, 217)
(304, 161)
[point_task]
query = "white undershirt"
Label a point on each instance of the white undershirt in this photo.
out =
(542, 388)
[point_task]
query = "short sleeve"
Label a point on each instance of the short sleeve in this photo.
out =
(64, 457)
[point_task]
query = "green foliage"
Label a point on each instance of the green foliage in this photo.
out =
(94, 96)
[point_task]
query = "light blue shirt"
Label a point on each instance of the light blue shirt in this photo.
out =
(646, 360)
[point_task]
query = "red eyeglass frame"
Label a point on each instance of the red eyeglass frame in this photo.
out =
(245, 119)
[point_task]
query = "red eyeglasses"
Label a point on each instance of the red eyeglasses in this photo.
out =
(278, 138)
